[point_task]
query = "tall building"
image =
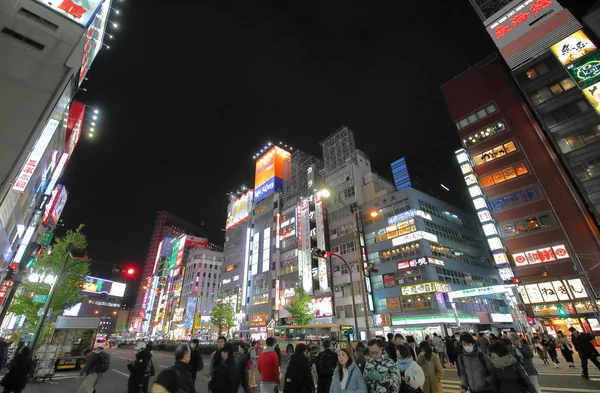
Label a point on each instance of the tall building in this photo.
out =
(51, 48)
(400, 174)
(536, 224)
(424, 249)
(166, 226)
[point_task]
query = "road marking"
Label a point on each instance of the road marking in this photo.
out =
(120, 372)
(121, 357)
(160, 365)
(451, 384)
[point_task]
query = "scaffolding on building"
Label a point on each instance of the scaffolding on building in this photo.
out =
(338, 148)
(296, 171)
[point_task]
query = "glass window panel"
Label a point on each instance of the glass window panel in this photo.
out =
(472, 118)
(497, 204)
(521, 169)
(463, 123)
(486, 181)
(541, 69)
(545, 94)
(546, 221)
(567, 84)
(583, 106)
(531, 74)
(521, 226)
(498, 177)
(509, 200)
(532, 194)
(490, 109)
(508, 229)
(575, 141)
(564, 145)
(532, 223)
(556, 89)
(509, 173)
(536, 98)
(520, 197)
(510, 147)
(481, 114)
(588, 137)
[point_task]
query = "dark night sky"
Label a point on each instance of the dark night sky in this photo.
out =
(189, 92)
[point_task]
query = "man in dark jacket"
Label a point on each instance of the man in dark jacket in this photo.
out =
(195, 359)
(390, 347)
(181, 366)
(216, 358)
(92, 369)
(325, 361)
(586, 350)
(476, 368)
(137, 368)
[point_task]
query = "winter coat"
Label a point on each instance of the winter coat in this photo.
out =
(525, 355)
(583, 345)
(390, 348)
(226, 381)
(360, 360)
(298, 376)
(476, 372)
(215, 361)
(242, 369)
(355, 384)
(268, 365)
(390, 382)
(195, 359)
(483, 344)
(438, 344)
(415, 374)
(18, 371)
(434, 372)
(510, 376)
(137, 369)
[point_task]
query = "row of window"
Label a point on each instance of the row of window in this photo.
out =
(566, 112)
(446, 216)
(516, 198)
(587, 170)
(476, 116)
(494, 153)
(484, 134)
(401, 252)
(526, 225)
(342, 230)
(503, 175)
(536, 71)
(409, 303)
(388, 211)
(348, 311)
(342, 213)
(584, 138)
(391, 232)
(345, 248)
(454, 277)
(453, 235)
(448, 252)
(549, 92)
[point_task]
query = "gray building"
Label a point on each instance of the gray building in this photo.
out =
(425, 248)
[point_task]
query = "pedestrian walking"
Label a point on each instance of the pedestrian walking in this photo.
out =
(412, 345)
(523, 352)
(549, 345)
(182, 368)
(268, 367)
(325, 362)
(97, 362)
(253, 363)
(137, 368)
(360, 355)
(476, 368)
(243, 367)
(196, 362)
(3, 352)
(390, 347)
(216, 360)
(483, 343)
(566, 349)
(440, 347)
(298, 375)
(381, 373)
(432, 368)
(226, 380)
(18, 371)
(347, 377)
(149, 371)
(509, 374)
(540, 350)
(586, 350)
(412, 377)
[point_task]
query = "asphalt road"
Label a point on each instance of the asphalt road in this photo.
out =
(552, 380)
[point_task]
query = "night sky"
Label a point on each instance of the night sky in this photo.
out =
(189, 92)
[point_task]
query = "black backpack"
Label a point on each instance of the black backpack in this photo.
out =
(326, 362)
(102, 362)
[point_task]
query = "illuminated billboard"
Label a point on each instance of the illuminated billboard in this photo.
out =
(321, 237)
(572, 48)
(585, 71)
(100, 285)
(61, 201)
(193, 241)
(93, 39)
(270, 172)
(51, 202)
(322, 307)
(592, 93)
(79, 11)
(74, 125)
(239, 210)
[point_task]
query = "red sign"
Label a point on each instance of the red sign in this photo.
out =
(526, 10)
(389, 280)
(74, 125)
(403, 265)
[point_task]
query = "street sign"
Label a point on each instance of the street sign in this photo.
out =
(39, 298)
(47, 238)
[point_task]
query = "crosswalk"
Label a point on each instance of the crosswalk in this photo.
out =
(453, 386)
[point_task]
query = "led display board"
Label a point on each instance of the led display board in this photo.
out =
(322, 307)
(100, 285)
(270, 172)
(592, 93)
(586, 71)
(239, 210)
(51, 203)
(546, 254)
(427, 287)
(61, 201)
(79, 11)
(572, 48)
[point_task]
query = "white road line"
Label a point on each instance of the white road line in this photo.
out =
(454, 384)
(120, 372)
(160, 365)
(121, 357)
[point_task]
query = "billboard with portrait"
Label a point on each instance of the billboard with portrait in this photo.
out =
(270, 172)
(61, 201)
(81, 12)
(322, 307)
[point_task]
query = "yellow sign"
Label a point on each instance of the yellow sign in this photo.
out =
(573, 47)
(427, 287)
(592, 93)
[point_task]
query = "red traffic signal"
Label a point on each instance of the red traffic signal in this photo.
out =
(128, 271)
(516, 280)
(320, 253)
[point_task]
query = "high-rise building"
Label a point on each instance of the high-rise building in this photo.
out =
(400, 174)
(536, 224)
(166, 226)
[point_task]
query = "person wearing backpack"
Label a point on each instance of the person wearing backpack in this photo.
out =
(476, 368)
(96, 364)
(325, 362)
(298, 376)
(509, 374)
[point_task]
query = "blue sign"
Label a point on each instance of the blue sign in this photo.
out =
(190, 312)
(402, 216)
(267, 188)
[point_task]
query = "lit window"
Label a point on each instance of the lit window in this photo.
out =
(503, 175)
(496, 152)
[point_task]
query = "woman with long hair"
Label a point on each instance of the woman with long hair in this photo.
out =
(566, 348)
(432, 368)
(298, 376)
(347, 377)
(226, 380)
(412, 377)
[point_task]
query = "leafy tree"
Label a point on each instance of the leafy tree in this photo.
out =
(222, 315)
(299, 308)
(67, 292)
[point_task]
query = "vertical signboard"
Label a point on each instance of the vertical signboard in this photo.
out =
(304, 251)
(320, 221)
(94, 37)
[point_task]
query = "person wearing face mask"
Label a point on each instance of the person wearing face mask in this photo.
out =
(524, 352)
(476, 368)
(196, 362)
(412, 377)
(509, 374)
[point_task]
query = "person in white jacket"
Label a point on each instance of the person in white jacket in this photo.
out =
(411, 374)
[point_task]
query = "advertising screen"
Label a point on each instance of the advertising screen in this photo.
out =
(193, 241)
(323, 307)
(320, 227)
(586, 71)
(389, 280)
(592, 93)
(80, 11)
(101, 285)
(93, 39)
(240, 209)
(50, 205)
(190, 312)
(572, 48)
(61, 201)
(270, 172)
(74, 125)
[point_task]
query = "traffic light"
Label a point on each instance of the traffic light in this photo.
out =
(127, 271)
(320, 253)
(516, 280)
